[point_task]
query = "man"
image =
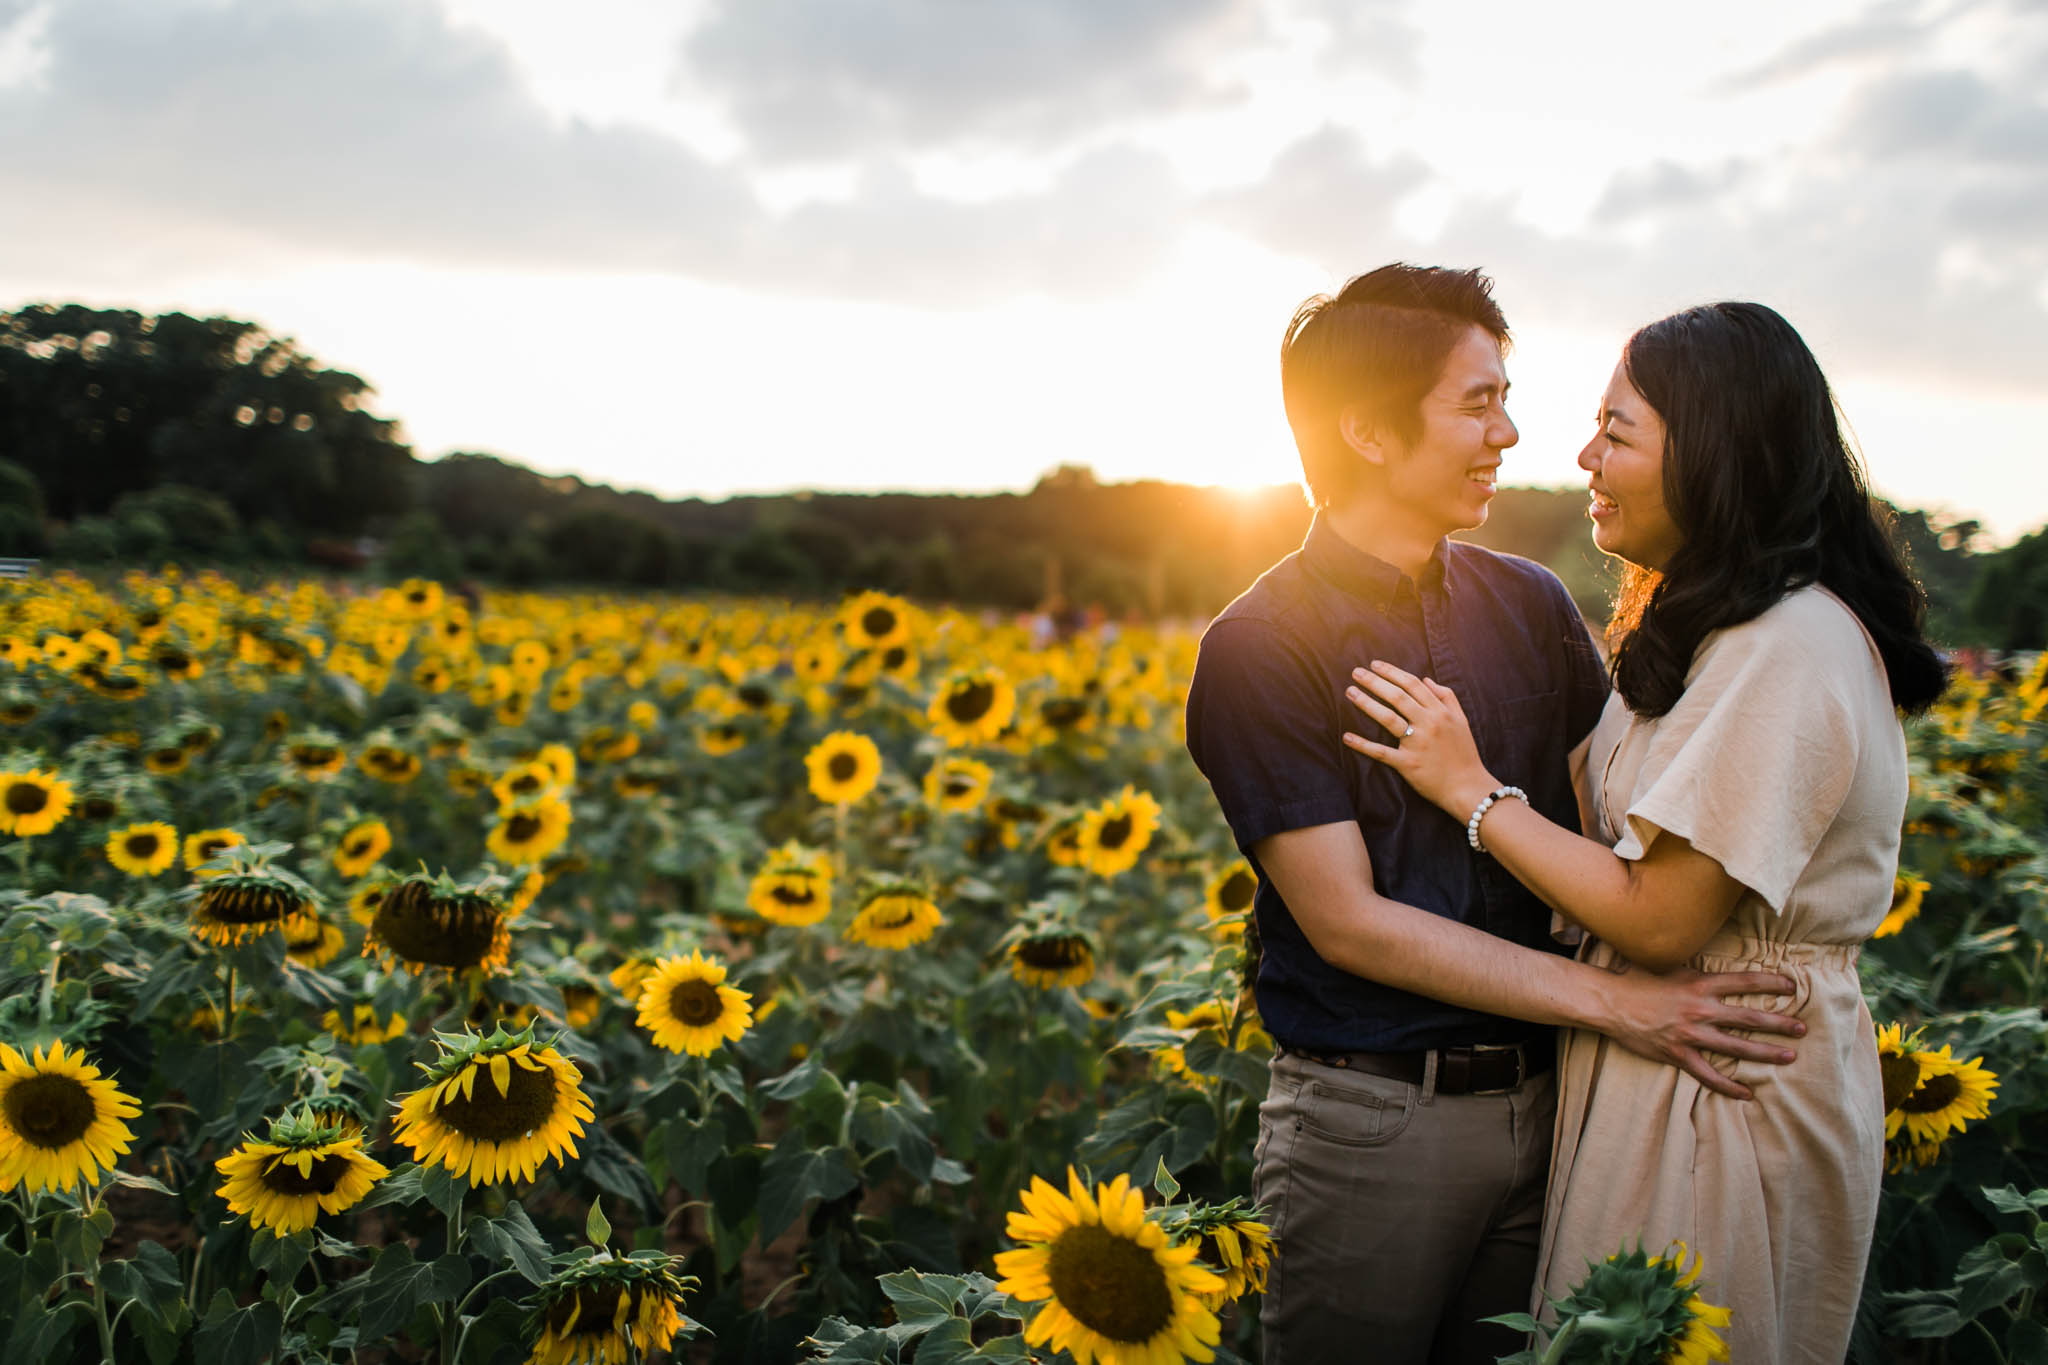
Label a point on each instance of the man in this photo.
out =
(1413, 985)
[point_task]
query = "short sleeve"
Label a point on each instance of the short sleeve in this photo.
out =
(1756, 759)
(1260, 728)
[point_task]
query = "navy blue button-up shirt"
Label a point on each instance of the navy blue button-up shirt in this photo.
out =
(1266, 712)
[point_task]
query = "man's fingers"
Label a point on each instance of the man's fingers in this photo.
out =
(1747, 1049)
(1759, 1021)
(1696, 1066)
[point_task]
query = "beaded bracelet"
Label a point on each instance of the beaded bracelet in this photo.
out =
(1497, 794)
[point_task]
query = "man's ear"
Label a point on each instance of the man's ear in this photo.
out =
(1363, 435)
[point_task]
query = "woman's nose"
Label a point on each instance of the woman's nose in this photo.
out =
(1589, 456)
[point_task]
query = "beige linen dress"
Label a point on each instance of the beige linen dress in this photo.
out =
(1784, 761)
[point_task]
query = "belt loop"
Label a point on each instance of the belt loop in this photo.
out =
(1429, 1075)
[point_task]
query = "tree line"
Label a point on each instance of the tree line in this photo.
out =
(129, 438)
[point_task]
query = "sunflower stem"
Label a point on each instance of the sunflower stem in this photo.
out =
(1554, 1353)
(47, 1000)
(99, 1318)
(227, 1026)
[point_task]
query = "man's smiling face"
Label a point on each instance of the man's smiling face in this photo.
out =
(1445, 478)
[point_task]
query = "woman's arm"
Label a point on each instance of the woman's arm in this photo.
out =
(1656, 911)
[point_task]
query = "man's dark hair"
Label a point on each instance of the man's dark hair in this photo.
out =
(1767, 496)
(1379, 344)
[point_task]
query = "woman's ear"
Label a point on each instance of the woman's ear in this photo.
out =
(1362, 434)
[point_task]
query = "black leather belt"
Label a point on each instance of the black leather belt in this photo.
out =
(1480, 1070)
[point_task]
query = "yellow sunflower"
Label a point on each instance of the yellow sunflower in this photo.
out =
(630, 975)
(494, 1107)
(972, 707)
(234, 906)
(32, 802)
(580, 1005)
(794, 888)
(364, 900)
(423, 922)
(844, 767)
(1063, 843)
(1049, 961)
(313, 942)
(314, 756)
(895, 917)
(605, 1311)
(525, 783)
(143, 850)
(1230, 893)
(1207, 1017)
(1948, 1096)
(1241, 1251)
(389, 763)
(1116, 832)
(203, 846)
(363, 1025)
(721, 739)
(306, 1168)
(60, 1120)
(1698, 1343)
(1907, 893)
(684, 1004)
(1114, 1290)
(167, 760)
(875, 620)
(957, 785)
(360, 848)
(528, 834)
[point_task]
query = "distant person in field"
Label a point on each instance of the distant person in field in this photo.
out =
(1746, 785)
(1414, 986)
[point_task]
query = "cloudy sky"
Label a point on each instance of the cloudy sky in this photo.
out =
(706, 246)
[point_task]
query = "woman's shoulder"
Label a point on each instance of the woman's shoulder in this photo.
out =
(1808, 628)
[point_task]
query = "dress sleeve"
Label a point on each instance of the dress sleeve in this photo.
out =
(1754, 762)
(1262, 731)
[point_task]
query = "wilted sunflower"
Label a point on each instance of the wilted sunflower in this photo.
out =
(143, 850)
(313, 942)
(389, 763)
(1241, 1251)
(528, 834)
(32, 802)
(305, 1168)
(60, 1120)
(875, 620)
(957, 785)
(1114, 1290)
(363, 1025)
(684, 1004)
(794, 888)
(1049, 961)
(895, 917)
(314, 756)
(972, 707)
(18, 708)
(844, 767)
(239, 905)
(607, 1310)
(424, 922)
(1117, 831)
(359, 849)
(203, 846)
(493, 1107)
(1907, 893)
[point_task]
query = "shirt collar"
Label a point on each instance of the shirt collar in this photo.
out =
(1366, 574)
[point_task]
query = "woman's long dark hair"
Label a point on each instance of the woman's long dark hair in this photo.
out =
(1767, 497)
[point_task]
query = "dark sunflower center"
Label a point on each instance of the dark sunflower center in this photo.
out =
(695, 1003)
(1115, 833)
(800, 894)
(1063, 711)
(457, 937)
(957, 785)
(893, 657)
(357, 846)
(1053, 952)
(247, 904)
(169, 758)
(1901, 1074)
(970, 702)
(484, 1115)
(314, 755)
(526, 784)
(1236, 893)
(99, 808)
(50, 1111)
(842, 767)
(878, 621)
(320, 1178)
(21, 710)
(143, 845)
(898, 916)
(521, 828)
(754, 697)
(26, 798)
(1110, 1284)
(597, 1304)
(1934, 1095)
(209, 849)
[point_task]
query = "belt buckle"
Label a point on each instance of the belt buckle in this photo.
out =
(1521, 1066)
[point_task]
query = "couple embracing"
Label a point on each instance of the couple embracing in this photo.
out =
(1561, 957)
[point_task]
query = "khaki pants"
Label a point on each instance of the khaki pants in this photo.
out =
(1401, 1217)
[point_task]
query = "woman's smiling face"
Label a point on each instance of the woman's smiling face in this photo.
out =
(1626, 459)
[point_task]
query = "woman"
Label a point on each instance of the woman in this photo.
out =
(1745, 787)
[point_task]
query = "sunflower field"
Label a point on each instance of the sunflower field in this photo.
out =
(390, 976)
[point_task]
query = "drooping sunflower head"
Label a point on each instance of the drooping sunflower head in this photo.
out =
(844, 767)
(685, 1004)
(424, 922)
(1113, 1286)
(1240, 1249)
(32, 802)
(143, 850)
(1052, 960)
(1114, 833)
(389, 763)
(493, 1107)
(527, 834)
(307, 1166)
(957, 785)
(895, 916)
(972, 707)
(793, 888)
(60, 1119)
(314, 755)
(249, 902)
(166, 760)
(606, 1310)
(360, 846)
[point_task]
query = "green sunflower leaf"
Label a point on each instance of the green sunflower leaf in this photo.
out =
(922, 1300)
(795, 1174)
(597, 1229)
(233, 1335)
(513, 1238)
